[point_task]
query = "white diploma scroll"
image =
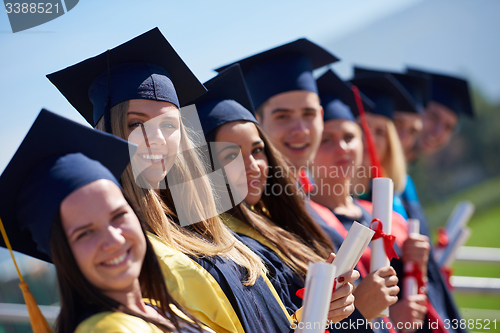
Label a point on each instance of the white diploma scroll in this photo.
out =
(461, 214)
(382, 197)
(458, 219)
(450, 252)
(352, 249)
(318, 293)
(410, 285)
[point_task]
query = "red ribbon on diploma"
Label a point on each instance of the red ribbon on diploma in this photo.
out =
(389, 240)
(301, 292)
(442, 238)
(417, 274)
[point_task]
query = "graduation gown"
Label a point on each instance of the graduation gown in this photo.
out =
(211, 289)
(119, 322)
(283, 278)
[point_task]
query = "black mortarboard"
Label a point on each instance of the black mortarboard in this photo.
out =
(56, 157)
(227, 100)
(337, 98)
(146, 67)
(418, 86)
(452, 92)
(284, 68)
(386, 92)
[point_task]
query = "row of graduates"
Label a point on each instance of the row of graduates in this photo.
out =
(133, 221)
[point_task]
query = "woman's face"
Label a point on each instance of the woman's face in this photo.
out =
(155, 127)
(245, 138)
(378, 129)
(341, 147)
(104, 235)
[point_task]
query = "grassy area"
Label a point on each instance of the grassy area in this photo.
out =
(485, 226)
(484, 196)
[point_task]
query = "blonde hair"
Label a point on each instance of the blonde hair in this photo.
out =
(210, 237)
(394, 163)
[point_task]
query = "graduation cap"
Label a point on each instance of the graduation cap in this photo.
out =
(284, 68)
(56, 157)
(337, 98)
(386, 92)
(146, 67)
(418, 86)
(452, 92)
(227, 100)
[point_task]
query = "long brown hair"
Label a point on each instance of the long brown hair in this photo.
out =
(283, 219)
(209, 237)
(78, 296)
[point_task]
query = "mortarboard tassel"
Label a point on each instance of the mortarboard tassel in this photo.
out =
(369, 138)
(38, 322)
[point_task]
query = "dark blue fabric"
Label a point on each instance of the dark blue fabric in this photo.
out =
(284, 68)
(48, 185)
(333, 90)
(256, 306)
(133, 80)
(287, 283)
(452, 92)
(417, 86)
(56, 157)
(386, 92)
(334, 108)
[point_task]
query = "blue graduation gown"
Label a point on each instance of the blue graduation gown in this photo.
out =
(284, 279)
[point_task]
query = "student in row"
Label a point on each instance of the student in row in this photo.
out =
(62, 202)
(135, 91)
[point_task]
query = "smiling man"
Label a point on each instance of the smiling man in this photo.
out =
(285, 95)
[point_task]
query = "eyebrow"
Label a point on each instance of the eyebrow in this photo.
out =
(257, 143)
(281, 110)
(137, 113)
(78, 229)
(229, 147)
(290, 111)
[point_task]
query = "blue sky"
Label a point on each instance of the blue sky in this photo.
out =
(206, 34)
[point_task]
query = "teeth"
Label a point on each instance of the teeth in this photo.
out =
(297, 145)
(152, 157)
(116, 261)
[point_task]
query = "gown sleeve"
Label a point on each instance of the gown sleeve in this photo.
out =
(186, 280)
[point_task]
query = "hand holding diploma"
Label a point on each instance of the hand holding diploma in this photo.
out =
(376, 292)
(382, 242)
(352, 249)
(341, 303)
(416, 249)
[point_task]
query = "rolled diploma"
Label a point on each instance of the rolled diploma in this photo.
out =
(319, 285)
(451, 250)
(458, 219)
(382, 209)
(352, 249)
(410, 285)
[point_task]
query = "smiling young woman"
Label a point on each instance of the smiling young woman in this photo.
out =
(210, 271)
